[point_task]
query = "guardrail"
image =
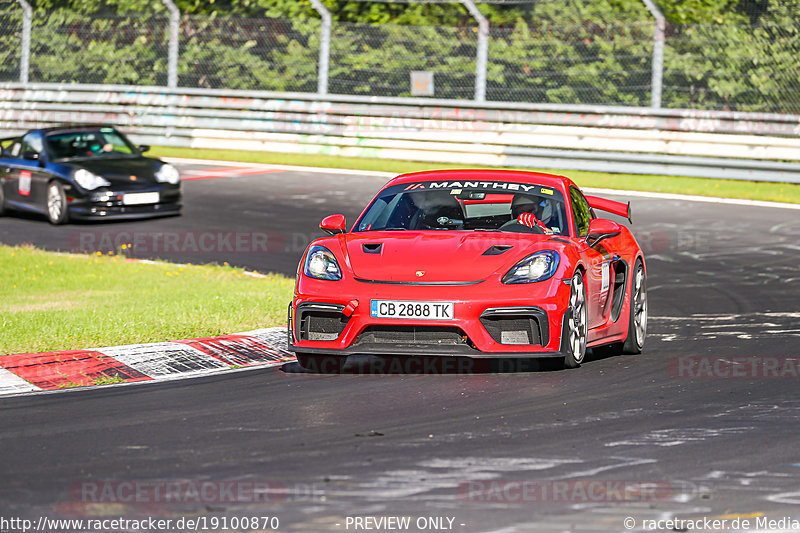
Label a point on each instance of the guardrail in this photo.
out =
(712, 144)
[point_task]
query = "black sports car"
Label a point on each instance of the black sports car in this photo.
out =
(85, 172)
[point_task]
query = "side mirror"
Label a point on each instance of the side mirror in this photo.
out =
(30, 156)
(601, 228)
(144, 148)
(333, 224)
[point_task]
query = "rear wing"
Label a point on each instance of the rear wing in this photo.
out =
(611, 206)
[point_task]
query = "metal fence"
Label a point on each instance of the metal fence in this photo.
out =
(10, 31)
(632, 61)
(714, 144)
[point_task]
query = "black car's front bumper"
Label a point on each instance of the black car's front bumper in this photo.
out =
(92, 208)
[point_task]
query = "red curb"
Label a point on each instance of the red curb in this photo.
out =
(236, 350)
(56, 370)
(141, 362)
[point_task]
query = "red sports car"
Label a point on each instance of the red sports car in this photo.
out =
(476, 263)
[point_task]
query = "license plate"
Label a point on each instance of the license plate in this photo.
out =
(412, 310)
(139, 198)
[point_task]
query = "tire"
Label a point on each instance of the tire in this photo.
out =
(56, 204)
(2, 200)
(577, 327)
(322, 364)
(637, 315)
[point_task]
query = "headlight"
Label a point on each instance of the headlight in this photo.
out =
(168, 174)
(536, 267)
(321, 264)
(89, 180)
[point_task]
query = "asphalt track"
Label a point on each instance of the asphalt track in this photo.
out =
(711, 436)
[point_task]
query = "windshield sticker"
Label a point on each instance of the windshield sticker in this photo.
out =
(499, 185)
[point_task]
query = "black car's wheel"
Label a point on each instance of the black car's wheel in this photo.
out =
(637, 318)
(324, 364)
(56, 203)
(577, 326)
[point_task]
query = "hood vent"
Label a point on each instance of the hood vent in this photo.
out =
(372, 248)
(497, 249)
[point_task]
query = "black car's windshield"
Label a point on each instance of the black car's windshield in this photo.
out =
(99, 142)
(488, 206)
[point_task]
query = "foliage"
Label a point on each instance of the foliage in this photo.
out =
(719, 54)
(377, 60)
(10, 31)
(67, 46)
(596, 52)
(738, 66)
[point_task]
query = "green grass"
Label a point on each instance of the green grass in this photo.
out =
(51, 301)
(106, 380)
(774, 192)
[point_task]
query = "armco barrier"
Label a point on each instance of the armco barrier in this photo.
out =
(714, 144)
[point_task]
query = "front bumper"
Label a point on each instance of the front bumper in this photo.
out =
(490, 319)
(91, 208)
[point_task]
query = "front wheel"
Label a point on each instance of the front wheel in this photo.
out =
(637, 317)
(577, 326)
(56, 204)
(323, 364)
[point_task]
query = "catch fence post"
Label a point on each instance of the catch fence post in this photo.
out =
(174, 29)
(658, 54)
(25, 53)
(324, 47)
(483, 50)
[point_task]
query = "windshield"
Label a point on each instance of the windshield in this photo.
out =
(100, 142)
(488, 206)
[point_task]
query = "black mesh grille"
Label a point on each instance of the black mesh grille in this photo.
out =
(513, 330)
(320, 325)
(424, 335)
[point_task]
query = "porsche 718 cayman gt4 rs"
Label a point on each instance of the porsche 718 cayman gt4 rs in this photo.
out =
(476, 263)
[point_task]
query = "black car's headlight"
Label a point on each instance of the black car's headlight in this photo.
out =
(89, 180)
(536, 267)
(168, 174)
(321, 264)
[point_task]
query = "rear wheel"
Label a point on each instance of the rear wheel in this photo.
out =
(578, 324)
(637, 318)
(324, 364)
(56, 203)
